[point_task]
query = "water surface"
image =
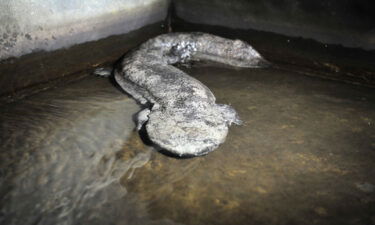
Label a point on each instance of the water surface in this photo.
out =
(305, 155)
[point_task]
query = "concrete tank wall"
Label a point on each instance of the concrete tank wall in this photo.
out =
(347, 22)
(27, 26)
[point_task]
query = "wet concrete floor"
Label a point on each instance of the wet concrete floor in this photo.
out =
(304, 155)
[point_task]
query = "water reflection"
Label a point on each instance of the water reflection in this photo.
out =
(61, 155)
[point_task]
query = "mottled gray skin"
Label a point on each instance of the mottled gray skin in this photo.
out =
(182, 117)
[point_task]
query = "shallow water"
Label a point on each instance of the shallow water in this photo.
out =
(305, 155)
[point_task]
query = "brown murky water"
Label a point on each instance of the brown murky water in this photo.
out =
(305, 155)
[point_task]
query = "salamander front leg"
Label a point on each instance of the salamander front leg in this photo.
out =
(142, 117)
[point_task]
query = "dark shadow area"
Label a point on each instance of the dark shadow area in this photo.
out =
(300, 55)
(349, 23)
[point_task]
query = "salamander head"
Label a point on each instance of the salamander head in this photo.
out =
(184, 136)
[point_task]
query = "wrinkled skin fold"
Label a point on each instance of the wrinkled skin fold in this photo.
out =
(182, 116)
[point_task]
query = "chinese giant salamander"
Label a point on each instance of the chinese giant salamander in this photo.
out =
(182, 117)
